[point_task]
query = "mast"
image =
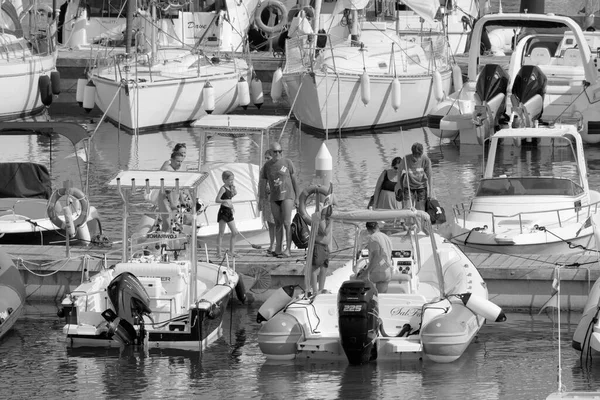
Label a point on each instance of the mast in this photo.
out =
(131, 7)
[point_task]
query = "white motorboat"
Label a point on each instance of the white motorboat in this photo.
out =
(12, 294)
(31, 212)
(525, 207)
(435, 305)
(159, 295)
(362, 74)
(550, 77)
(28, 74)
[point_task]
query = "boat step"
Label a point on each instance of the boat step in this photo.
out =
(400, 345)
(320, 345)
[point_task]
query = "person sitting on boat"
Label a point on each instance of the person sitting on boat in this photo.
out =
(180, 148)
(415, 178)
(384, 196)
(379, 267)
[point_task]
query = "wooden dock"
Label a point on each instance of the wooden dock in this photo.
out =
(523, 282)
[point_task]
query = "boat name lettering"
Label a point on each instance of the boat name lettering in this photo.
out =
(161, 235)
(406, 311)
(193, 25)
(352, 307)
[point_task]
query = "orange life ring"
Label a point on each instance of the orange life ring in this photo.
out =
(75, 194)
(274, 7)
(306, 193)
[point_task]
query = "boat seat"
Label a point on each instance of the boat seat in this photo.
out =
(540, 56)
(572, 57)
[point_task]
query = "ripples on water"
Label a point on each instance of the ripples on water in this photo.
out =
(513, 360)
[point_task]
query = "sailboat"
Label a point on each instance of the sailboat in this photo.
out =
(28, 74)
(160, 88)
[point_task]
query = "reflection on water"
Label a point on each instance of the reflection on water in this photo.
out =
(512, 360)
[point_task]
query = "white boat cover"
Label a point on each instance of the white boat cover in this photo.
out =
(240, 123)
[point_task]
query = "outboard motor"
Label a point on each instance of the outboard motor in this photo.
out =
(528, 92)
(358, 314)
(490, 91)
(131, 302)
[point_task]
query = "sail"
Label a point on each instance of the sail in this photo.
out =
(426, 9)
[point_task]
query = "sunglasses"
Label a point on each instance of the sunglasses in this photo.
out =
(278, 151)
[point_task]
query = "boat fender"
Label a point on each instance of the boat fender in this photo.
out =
(483, 307)
(240, 291)
(89, 94)
(81, 82)
(69, 225)
(396, 94)
(76, 194)
(274, 7)
(365, 88)
(306, 193)
(275, 303)
(243, 93)
(438, 89)
(45, 88)
(277, 85)
(55, 82)
(256, 92)
(208, 92)
(457, 78)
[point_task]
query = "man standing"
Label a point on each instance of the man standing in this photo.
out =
(415, 177)
(379, 268)
(280, 174)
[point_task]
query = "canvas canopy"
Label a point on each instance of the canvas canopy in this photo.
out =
(24, 180)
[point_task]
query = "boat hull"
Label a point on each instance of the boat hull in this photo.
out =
(12, 294)
(333, 102)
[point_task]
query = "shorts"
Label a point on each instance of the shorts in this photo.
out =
(320, 256)
(225, 214)
(416, 194)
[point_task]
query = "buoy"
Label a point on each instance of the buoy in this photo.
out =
(256, 92)
(88, 96)
(81, 82)
(208, 92)
(55, 81)
(396, 94)
(243, 93)
(483, 307)
(45, 88)
(277, 85)
(438, 90)
(457, 78)
(240, 291)
(69, 224)
(365, 88)
(275, 303)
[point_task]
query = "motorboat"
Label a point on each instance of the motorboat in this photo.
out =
(28, 74)
(435, 305)
(534, 197)
(12, 294)
(586, 338)
(549, 77)
(361, 73)
(162, 87)
(160, 294)
(31, 211)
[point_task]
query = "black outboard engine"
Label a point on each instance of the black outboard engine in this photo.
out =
(358, 314)
(528, 93)
(490, 91)
(131, 302)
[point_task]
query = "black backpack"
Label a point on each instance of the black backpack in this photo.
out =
(300, 232)
(436, 211)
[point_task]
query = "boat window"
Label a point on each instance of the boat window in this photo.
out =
(108, 8)
(528, 187)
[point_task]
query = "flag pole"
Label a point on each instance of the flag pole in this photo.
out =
(558, 311)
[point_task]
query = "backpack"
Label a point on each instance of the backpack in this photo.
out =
(300, 232)
(436, 211)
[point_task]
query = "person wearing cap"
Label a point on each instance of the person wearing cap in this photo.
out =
(379, 268)
(415, 177)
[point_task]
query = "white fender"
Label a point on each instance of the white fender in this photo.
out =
(457, 78)
(396, 94)
(81, 82)
(89, 94)
(243, 93)
(277, 85)
(365, 88)
(69, 224)
(208, 92)
(256, 92)
(438, 88)
(483, 307)
(275, 303)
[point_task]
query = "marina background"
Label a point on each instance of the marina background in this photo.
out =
(516, 359)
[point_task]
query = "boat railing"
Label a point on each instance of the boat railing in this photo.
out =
(525, 218)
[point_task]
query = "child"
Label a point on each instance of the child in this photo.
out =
(225, 214)
(320, 260)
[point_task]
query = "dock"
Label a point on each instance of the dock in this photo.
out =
(514, 283)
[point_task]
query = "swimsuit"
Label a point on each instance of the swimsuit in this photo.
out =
(225, 213)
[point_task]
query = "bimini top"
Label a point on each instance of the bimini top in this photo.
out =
(558, 131)
(71, 130)
(238, 125)
(157, 179)
(381, 215)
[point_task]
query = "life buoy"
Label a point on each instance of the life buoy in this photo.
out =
(274, 7)
(76, 194)
(306, 193)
